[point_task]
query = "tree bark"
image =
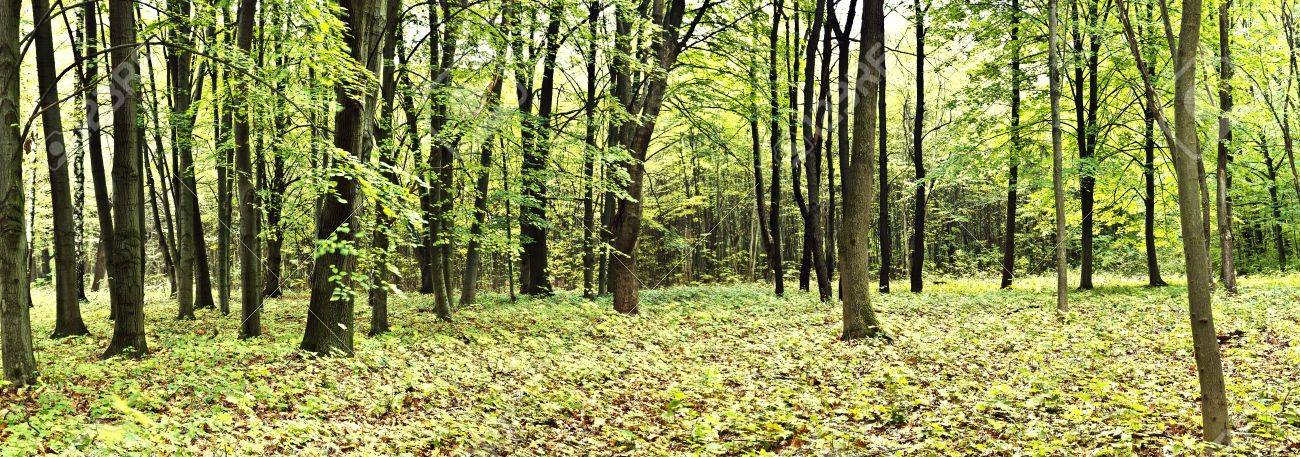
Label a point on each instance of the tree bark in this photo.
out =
(15, 323)
(534, 269)
(67, 320)
(917, 262)
(126, 264)
(810, 157)
(774, 217)
(1223, 176)
(1013, 170)
(182, 123)
(250, 218)
(1058, 189)
(855, 250)
(381, 276)
(329, 317)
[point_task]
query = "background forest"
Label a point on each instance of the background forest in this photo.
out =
(228, 165)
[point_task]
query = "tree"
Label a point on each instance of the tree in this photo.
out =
(250, 217)
(182, 122)
(67, 320)
(811, 154)
(1054, 80)
(534, 268)
(859, 319)
(1186, 146)
(1013, 170)
(917, 261)
(774, 216)
(1223, 176)
(126, 263)
(15, 324)
(329, 316)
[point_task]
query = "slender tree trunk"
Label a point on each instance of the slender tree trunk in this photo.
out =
(1149, 198)
(810, 157)
(1275, 205)
(1058, 189)
(178, 70)
(1013, 171)
(126, 263)
(473, 256)
(590, 157)
(774, 217)
(250, 218)
(15, 323)
(381, 275)
(855, 250)
(1227, 246)
(918, 162)
(67, 320)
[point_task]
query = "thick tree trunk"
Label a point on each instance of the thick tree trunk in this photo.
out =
(67, 320)
(126, 264)
(15, 323)
(1013, 170)
(1058, 188)
(533, 225)
(1223, 176)
(917, 262)
(250, 218)
(855, 250)
(329, 317)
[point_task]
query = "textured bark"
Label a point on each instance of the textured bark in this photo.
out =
(1013, 171)
(626, 223)
(917, 261)
(329, 316)
(15, 323)
(534, 268)
(250, 218)
(1186, 145)
(855, 250)
(126, 263)
(67, 320)
(182, 122)
(1223, 176)
(590, 156)
(1216, 426)
(1058, 188)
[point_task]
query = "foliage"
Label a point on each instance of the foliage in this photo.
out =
(704, 370)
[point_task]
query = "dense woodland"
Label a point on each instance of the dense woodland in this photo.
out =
(359, 152)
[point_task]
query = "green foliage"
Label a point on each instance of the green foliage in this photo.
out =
(705, 370)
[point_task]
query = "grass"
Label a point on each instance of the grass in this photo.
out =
(704, 370)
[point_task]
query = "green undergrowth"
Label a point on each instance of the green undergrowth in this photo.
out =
(703, 370)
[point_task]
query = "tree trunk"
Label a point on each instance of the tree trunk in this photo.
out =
(1275, 205)
(918, 134)
(381, 275)
(126, 263)
(1013, 170)
(67, 320)
(1149, 198)
(590, 157)
(533, 225)
(1214, 405)
(178, 69)
(1058, 189)
(250, 218)
(811, 157)
(15, 323)
(774, 217)
(1227, 247)
(329, 318)
(855, 250)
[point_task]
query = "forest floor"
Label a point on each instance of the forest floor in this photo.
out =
(703, 370)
